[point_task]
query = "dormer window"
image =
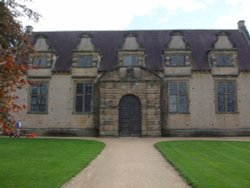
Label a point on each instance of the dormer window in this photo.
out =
(130, 60)
(85, 61)
(44, 56)
(41, 62)
(177, 55)
(131, 53)
(85, 54)
(224, 60)
(223, 54)
(177, 60)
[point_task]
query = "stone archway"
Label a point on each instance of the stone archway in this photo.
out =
(130, 116)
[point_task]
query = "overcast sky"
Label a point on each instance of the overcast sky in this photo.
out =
(63, 15)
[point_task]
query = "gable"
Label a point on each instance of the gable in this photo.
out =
(223, 42)
(42, 44)
(177, 41)
(85, 44)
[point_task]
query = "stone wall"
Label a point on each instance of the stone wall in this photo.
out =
(147, 88)
(60, 118)
(202, 119)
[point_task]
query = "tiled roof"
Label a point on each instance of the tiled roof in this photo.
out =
(153, 41)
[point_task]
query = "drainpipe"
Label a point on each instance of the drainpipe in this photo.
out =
(243, 29)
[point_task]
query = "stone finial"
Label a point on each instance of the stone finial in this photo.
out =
(241, 25)
(28, 29)
(243, 29)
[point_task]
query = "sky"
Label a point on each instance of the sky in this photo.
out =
(73, 15)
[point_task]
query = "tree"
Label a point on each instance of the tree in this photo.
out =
(14, 46)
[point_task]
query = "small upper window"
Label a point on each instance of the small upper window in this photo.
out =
(85, 61)
(40, 61)
(224, 60)
(177, 60)
(130, 60)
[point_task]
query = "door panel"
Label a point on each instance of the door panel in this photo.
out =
(130, 116)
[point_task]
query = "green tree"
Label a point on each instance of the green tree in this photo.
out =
(14, 46)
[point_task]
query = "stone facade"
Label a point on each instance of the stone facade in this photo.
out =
(182, 83)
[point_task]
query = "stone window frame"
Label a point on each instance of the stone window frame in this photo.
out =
(83, 95)
(214, 55)
(168, 53)
(94, 56)
(125, 53)
(43, 55)
(35, 82)
(186, 81)
(225, 96)
(222, 56)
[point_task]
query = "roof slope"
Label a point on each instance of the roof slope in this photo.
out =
(153, 41)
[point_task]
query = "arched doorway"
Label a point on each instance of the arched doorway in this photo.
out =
(130, 116)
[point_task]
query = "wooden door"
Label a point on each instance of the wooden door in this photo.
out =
(130, 116)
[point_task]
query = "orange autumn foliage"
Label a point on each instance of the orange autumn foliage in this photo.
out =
(14, 46)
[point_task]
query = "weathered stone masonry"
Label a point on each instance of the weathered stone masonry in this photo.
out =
(139, 83)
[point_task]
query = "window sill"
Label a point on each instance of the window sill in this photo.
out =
(82, 113)
(179, 113)
(42, 113)
(227, 113)
(225, 66)
(178, 66)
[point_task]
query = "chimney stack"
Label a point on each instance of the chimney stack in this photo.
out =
(241, 25)
(243, 29)
(28, 29)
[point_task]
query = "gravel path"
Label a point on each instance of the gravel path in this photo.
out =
(132, 163)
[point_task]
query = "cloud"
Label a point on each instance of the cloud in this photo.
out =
(103, 15)
(239, 10)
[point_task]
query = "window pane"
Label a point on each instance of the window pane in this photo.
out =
(88, 88)
(172, 88)
(42, 100)
(88, 103)
(33, 100)
(34, 90)
(135, 60)
(173, 60)
(130, 60)
(230, 87)
(42, 89)
(183, 104)
(40, 62)
(127, 61)
(230, 103)
(182, 88)
(220, 88)
(172, 103)
(177, 60)
(224, 60)
(221, 103)
(79, 104)
(85, 61)
(79, 88)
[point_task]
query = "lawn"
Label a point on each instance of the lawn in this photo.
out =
(213, 164)
(43, 162)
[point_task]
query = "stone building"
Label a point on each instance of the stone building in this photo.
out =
(139, 83)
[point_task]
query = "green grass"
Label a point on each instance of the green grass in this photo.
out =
(213, 164)
(43, 162)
